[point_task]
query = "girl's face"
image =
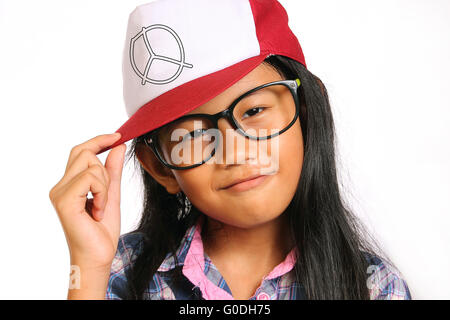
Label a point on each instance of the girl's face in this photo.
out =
(247, 204)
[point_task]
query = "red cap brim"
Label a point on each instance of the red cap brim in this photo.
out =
(183, 99)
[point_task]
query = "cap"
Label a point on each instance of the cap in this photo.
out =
(180, 54)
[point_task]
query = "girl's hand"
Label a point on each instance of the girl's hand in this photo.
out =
(91, 227)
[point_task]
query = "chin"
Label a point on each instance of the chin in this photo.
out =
(247, 220)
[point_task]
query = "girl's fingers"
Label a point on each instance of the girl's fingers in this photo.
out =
(89, 234)
(72, 197)
(89, 181)
(114, 166)
(85, 173)
(94, 145)
(83, 161)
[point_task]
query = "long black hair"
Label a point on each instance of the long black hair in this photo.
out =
(332, 242)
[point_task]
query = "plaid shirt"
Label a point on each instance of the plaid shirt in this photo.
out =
(202, 280)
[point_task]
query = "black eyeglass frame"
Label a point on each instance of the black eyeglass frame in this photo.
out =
(150, 139)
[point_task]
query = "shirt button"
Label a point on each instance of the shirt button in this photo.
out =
(263, 296)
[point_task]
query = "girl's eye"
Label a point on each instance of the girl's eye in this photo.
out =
(252, 112)
(194, 134)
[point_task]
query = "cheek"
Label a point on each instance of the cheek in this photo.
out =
(287, 152)
(291, 150)
(197, 185)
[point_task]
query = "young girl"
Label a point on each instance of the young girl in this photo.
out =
(234, 139)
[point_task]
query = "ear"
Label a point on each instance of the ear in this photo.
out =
(156, 169)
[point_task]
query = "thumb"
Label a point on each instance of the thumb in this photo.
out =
(114, 165)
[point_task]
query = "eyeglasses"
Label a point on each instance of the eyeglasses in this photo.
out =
(192, 140)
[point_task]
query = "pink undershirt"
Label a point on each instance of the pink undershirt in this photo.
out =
(194, 266)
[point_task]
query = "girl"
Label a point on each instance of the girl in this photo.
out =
(241, 198)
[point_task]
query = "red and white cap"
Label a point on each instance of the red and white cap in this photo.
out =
(180, 54)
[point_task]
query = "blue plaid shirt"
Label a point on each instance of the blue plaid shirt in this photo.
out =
(384, 283)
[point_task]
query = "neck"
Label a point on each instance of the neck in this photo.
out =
(259, 248)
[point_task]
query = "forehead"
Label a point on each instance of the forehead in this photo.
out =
(260, 75)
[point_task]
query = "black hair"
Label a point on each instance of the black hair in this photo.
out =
(333, 244)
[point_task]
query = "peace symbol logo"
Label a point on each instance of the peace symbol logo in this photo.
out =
(143, 73)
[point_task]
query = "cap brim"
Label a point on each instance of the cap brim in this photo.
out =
(183, 99)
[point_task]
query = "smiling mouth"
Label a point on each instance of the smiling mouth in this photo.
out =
(247, 184)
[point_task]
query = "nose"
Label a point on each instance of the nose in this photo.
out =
(234, 148)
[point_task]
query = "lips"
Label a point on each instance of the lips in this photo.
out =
(241, 180)
(248, 182)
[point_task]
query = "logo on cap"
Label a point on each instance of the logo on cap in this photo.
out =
(143, 40)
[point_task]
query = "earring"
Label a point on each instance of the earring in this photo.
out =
(186, 205)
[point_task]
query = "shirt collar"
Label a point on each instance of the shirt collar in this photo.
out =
(169, 261)
(194, 230)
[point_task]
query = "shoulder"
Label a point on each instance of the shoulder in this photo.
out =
(128, 248)
(384, 281)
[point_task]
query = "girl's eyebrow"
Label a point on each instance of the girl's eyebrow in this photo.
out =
(246, 95)
(234, 99)
(249, 94)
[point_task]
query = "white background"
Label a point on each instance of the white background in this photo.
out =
(385, 64)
